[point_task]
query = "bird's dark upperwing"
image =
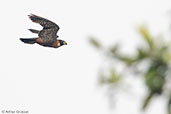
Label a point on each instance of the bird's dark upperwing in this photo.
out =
(48, 35)
(47, 24)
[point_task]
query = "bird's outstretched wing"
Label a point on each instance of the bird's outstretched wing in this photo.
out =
(47, 24)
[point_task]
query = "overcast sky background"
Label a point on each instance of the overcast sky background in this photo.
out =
(64, 80)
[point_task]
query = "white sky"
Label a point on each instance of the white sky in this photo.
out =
(62, 81)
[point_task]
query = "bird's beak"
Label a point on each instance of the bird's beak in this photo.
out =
(65, 43)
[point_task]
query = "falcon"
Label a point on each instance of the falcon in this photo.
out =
(47, 36)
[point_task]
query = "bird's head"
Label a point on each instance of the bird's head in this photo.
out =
(62, 42)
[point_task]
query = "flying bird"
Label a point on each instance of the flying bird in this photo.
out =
(47, 36)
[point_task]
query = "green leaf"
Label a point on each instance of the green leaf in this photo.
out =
(145, 34)
(114, 78)
(147, 101)
(155, 76)
(127, 60)
(95, 43)
(142, 54)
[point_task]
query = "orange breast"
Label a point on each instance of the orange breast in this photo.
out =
(56, 44)
(39, 41)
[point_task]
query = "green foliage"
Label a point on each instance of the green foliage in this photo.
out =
(145, 34)
(147, 100)
(95, 43)
(113, 78)
(155, 76)
(155, 53)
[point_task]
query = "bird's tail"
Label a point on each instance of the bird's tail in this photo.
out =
(34, 31)
(28, 41)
